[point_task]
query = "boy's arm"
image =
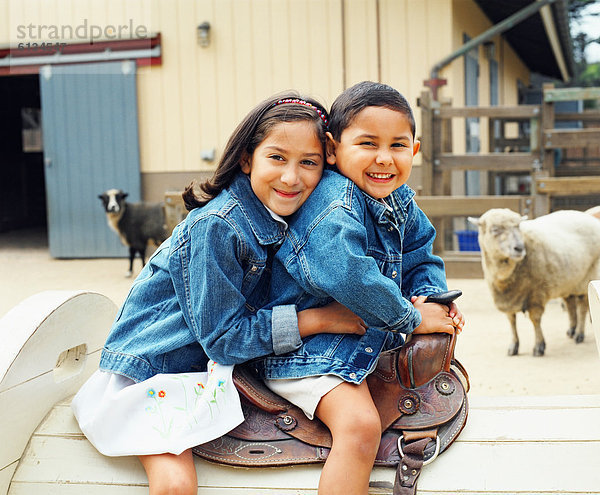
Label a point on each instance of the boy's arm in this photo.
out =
(333, 262)
(423, 272)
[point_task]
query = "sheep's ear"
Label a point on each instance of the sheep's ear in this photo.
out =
(125, 195)
(473, 220)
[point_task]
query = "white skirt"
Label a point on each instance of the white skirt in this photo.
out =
(166, 413)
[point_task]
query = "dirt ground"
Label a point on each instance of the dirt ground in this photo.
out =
(566, 368)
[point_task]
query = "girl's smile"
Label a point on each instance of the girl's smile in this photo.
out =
(286, 166)
(287, 194)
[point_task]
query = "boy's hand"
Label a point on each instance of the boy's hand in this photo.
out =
(457, 317)
(332, 318)
(435, 317)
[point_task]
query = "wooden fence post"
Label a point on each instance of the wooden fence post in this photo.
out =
(542, 201)
(426, 143)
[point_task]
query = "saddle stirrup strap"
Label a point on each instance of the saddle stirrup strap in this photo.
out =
(412, 460)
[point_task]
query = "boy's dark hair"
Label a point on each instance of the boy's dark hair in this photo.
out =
(249, 134)
(362, 95)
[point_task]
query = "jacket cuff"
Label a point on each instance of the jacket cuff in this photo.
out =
(284, 328)
(409, 323)
(429, 290)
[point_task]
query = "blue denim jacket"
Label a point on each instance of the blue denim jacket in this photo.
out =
(338, 245)
(202, 292)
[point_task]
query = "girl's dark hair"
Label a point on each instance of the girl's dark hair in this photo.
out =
(248, 135)
(362, 95)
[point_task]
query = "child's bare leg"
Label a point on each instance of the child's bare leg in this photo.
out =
(171, 474)
(350, 414)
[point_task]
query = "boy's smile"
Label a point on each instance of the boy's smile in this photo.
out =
(286, 166)
(375, 151)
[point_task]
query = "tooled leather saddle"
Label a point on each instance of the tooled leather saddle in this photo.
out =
(420, 391)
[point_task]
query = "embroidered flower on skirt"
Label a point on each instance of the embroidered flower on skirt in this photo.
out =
(134, 419)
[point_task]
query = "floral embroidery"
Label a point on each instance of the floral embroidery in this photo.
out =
(157, 409)
(181, 408)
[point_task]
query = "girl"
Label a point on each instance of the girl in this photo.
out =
(198, 302)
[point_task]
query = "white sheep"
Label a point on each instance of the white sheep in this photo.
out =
(528, 262)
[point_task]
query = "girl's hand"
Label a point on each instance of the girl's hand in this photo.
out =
(435, 317)
(332, 318)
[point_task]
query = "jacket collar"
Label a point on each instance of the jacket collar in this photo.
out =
(393, 208)
(266, 229)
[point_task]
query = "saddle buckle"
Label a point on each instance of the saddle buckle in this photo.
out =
(428, 461)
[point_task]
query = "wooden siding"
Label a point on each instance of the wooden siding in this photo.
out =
(193, 101)
(257, 49)
(412, 40)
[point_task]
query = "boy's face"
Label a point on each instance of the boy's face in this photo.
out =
(375, 151)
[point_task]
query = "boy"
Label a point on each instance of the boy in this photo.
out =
(359, 239)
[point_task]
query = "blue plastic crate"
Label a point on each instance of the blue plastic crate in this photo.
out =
(467, 240)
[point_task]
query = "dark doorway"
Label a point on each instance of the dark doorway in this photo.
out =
(22, 186)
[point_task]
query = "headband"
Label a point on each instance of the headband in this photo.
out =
(298, 101)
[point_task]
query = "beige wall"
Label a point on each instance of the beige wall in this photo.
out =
(194, 99)
(258, 48)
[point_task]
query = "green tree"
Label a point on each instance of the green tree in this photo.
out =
(586, 74)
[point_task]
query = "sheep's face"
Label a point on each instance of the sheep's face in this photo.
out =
(113, 200)
(501, 240)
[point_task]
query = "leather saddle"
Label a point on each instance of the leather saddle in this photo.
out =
(420, 391)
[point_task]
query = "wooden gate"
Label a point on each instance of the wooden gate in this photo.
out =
(531, 154)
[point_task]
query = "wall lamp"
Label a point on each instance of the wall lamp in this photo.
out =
(203, 34)
(489, 49)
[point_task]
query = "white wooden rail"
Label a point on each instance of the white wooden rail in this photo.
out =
(516, 445)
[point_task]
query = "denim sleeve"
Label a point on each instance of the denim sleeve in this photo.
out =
(423, 273)
(214, 306)
(333, 262)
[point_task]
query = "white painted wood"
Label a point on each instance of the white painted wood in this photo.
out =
(6, 474)
(533, 419)
(516, 445)
(594, 302)
(53, 341)
(534, 445)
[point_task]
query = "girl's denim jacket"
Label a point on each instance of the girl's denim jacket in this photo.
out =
(370, 256)
(201, 292)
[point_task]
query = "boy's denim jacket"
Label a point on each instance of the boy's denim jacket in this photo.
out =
(337, 246)
(200, 294)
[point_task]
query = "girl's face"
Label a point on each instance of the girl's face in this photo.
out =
(286, 166)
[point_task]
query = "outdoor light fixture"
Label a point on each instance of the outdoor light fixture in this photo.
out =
(203, 32)
(489, 48)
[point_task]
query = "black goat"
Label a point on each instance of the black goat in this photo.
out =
(136, 223)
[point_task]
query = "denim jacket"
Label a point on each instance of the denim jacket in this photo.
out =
(203, 293)
(338, 245)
